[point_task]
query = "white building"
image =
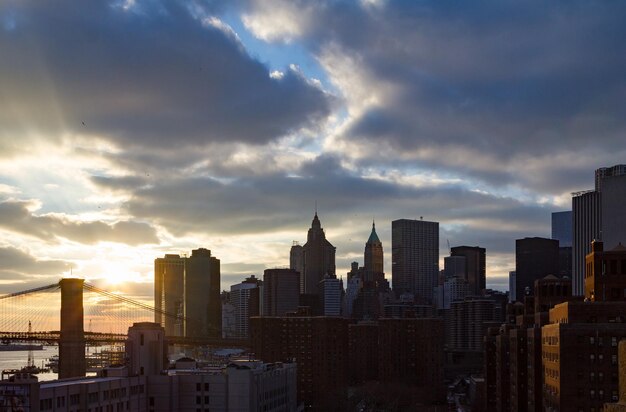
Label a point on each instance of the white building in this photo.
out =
(246, 299)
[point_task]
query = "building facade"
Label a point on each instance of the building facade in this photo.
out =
(314, 260)
(535, 258)
(246, 299)
(281, 291)
(415, 258)
(169, 291)
(202, 303)
(475, 266)
(598, 215)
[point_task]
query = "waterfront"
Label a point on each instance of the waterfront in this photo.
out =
(19, 359)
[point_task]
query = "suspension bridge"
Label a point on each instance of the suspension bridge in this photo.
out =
(85, 314)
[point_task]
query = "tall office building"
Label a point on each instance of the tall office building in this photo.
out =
(454, 266)
(246, 299)
(535, 258)
(415, 258)
(318, 259)
(202, 303)
(169, 288)
(598, 215)
(475, 266)
(331, 291)
(562, 227)
(296, 262)
(281, 291)
(373, 257)
(512, 284)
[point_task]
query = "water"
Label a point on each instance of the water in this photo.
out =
(19, 359)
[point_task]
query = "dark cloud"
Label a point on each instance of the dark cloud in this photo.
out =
(15, 216)
(285, 202)
(156, 75)
(499, 91)
(18, 265)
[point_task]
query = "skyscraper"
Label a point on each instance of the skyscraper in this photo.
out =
(246, 299)
(562, 227)
(598, 215)
(169, 288)
(374, 257)
(318, 258)
(281, 291)
(331, 290)
(535, 258)
(296, 262)
(475, 266)
(202, 304)
(415, 258)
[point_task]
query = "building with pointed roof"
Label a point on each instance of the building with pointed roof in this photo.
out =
(318, 259)
(374, 257)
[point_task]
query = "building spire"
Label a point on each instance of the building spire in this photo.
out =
(373, 236)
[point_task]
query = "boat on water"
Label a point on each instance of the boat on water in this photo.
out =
(16, 347)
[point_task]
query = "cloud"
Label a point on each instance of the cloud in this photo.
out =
(506, 93)
(16, 217)
(283, 202)
(19, 265)
(151, 75)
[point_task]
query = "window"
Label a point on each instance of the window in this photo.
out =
(198, 387)
(75, 399)
(198, 400)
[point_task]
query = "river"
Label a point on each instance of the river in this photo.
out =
(19, 359)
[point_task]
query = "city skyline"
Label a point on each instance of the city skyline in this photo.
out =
(131, 129)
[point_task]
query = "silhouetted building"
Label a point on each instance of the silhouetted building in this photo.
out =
(246, 299)
(317, 257)
(169, 291)
(281, 291)
(318, 345)
(535, 258)
(363, 352)
(598, 215)
(367, 287)
(415, 258)
(562, 227)
(468, 322)
(605, 274)
(202, 304)
(411, 352)
(620, 405)
(373, 258)
(452, 289)
(296, 262)
(475, 266)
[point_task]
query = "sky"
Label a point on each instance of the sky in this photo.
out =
(131, 129)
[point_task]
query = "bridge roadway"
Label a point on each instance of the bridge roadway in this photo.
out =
(53, 337)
